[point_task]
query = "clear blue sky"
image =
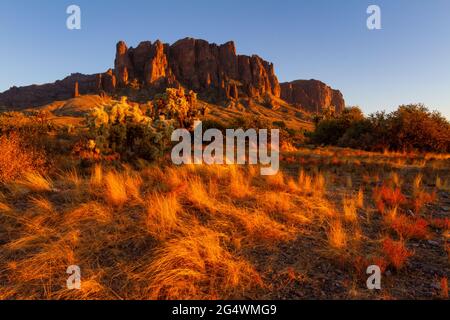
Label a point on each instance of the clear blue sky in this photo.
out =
(407, 61)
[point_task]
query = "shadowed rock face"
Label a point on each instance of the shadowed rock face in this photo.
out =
(37, 95)
(312, 95)
(195, 64)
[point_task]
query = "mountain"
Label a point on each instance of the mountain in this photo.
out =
(215, 71)
(312, 95)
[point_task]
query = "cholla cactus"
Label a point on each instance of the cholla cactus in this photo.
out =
(123, 129)
(99, 117)
(178, 105)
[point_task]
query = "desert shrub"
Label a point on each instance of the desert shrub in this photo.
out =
(33, 128)
(287, 135)
(409, 128)
(214, 124)
(414, 127)
(17, 158)
(178, 105)
(126, 130)
(251, 122)
(396, 253)
(329, 129)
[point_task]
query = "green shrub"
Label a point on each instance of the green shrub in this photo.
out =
(124, 130)
(410, 127)
(130, 132)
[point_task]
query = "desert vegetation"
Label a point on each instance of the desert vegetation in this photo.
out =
(103, 195)
(409, 128)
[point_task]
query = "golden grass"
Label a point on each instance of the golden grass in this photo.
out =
(208, 232)
(276, 181)
(198, 267)
(116, 191)
(337, 237)
(90, 211)
(239, 185)
(33, 182)
(73, 177)
(163, 216)
(97, 176)
(121, 188)
(350, 209)
(198, 195)
(43, 205)
(417, 183)
(308, 184)
(360, 199)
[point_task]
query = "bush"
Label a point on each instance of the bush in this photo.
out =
(416, 128)
(329, 129)
(125, 130)
(18, 159)
(177, 105)
(32, 127)
(409, 128)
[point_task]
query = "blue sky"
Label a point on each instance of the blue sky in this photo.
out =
(407, 61)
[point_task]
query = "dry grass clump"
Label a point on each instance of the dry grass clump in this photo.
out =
(198, 195)
(396, 253)
(350, 209)
(116, 191)
(90, 211)
(163, 216)
(198, 267)
(312, 185)
(420, 199)
(388, 197)
(409, 228)
(32, 182)
(97, 176)
(337, 237)
(121, 188)
(260, 228)
(33, 276)
(239, 184)
(276, 203)
(276, 181)
(43, 205)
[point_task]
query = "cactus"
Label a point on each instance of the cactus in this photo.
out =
(176, 104)
(124, 129)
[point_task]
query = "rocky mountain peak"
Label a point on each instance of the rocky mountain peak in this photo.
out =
(196, 64)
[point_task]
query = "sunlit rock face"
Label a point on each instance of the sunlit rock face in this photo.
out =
(215, 70)
(312, 95)
(198, 65)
